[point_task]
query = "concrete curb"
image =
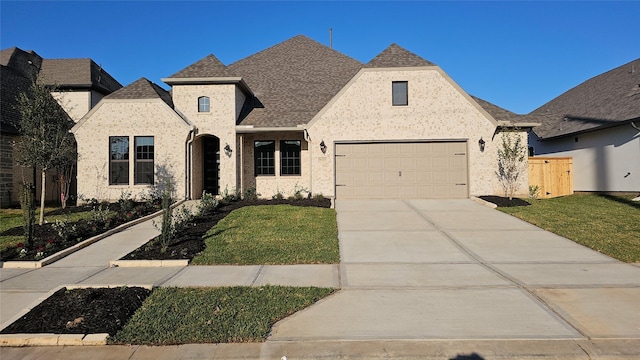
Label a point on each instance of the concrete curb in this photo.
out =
(70, 250)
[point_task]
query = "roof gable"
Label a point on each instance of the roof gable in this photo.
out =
(292, 81)
(207, 67)
(604, 100)
(397, 56)
(142, 89)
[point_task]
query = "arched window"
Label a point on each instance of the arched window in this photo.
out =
(203, 104)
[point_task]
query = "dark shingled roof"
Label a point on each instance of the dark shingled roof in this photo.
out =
(396, 56)
(209, 66)
(142, 89)
(77, 73)
(602, 101)
(292, 81)
(16, 74)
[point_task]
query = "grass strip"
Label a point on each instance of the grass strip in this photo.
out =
(172, 315)
(273, 234)
(608, 224)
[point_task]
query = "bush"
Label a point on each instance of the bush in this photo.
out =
(208, 203)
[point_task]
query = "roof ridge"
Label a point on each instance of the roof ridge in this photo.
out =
(397, 56)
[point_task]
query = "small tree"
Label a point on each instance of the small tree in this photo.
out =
(167, 229)
(45, 140)
(28, 213)
(511, 156)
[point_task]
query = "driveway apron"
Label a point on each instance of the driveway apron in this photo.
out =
(455, 269)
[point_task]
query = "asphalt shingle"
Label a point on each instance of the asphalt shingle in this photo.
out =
(397, 56)
(604, 100)
(142, 89)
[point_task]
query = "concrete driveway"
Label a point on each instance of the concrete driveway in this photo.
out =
(456, 269)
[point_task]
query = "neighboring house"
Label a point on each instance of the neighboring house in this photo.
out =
(297, 116)
(77, 84)
(598, 124)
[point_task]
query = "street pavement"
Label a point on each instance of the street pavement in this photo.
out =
(449, 279)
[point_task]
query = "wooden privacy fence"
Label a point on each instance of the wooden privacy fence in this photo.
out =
(553, 175)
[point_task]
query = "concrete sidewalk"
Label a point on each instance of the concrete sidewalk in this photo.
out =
(445, 279)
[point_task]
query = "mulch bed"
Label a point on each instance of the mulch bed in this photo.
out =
(504, 201)
(81, 311)
(189, 242)
(47, 241)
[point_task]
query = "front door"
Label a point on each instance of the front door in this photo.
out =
(211, 165)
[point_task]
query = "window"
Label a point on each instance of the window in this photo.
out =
(143, 168)
(290, 157)
(203, 104)
(264, 157)
(400, 93)
(118, 160)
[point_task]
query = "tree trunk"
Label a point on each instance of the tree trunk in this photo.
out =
(42, 196)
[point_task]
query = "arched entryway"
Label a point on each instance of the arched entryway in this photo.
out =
(211, 165)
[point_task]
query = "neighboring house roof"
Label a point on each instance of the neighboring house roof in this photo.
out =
(208, 67)
(292, 81)
(17, 70)
(396, 56)
(142, 89)
(609, 99)
(77, 74)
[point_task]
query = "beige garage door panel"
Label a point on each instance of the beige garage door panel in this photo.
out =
(401, 170)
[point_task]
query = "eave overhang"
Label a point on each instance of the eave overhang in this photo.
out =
(233, 80)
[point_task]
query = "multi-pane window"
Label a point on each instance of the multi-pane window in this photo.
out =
(264, 157)
(290, 157)
(400, 93)
(143, 167)
(118, 160)
(203, 104)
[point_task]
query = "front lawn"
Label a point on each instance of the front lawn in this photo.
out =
(608, 224)
(273, 234)
(214, 315)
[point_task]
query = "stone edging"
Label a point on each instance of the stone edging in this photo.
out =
(148, 263)
(7, 340)
(70, 250)
(483, 202)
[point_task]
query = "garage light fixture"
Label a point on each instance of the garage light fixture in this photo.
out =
(323, 147)
(227, 150)
(481, 143)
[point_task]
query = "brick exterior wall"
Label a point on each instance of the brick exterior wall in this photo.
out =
(130, 118)
(437, 110)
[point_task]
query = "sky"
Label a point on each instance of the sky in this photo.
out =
(515, 54)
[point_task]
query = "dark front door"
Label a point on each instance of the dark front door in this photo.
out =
(211, 165)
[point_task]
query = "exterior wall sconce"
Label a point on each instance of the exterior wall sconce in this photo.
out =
(227, 150)
(323, 147)
(481, 143)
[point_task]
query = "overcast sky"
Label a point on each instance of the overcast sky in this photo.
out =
(517, 55)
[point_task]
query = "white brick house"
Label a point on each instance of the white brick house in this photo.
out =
(296, 116)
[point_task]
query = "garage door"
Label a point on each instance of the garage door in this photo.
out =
(401, 170)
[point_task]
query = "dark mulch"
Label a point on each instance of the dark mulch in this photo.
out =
(81, 311)
(504, 201)
(47, 241)
(189, 241)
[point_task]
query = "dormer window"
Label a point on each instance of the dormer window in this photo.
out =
(400, 93)
(203, 104)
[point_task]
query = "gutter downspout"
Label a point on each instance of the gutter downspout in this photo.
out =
(634, 126)
(307, 138)
(187, 174)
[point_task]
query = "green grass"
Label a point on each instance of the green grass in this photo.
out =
(273, 234)
(10, 218)
(214, 315)
(608, 224)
